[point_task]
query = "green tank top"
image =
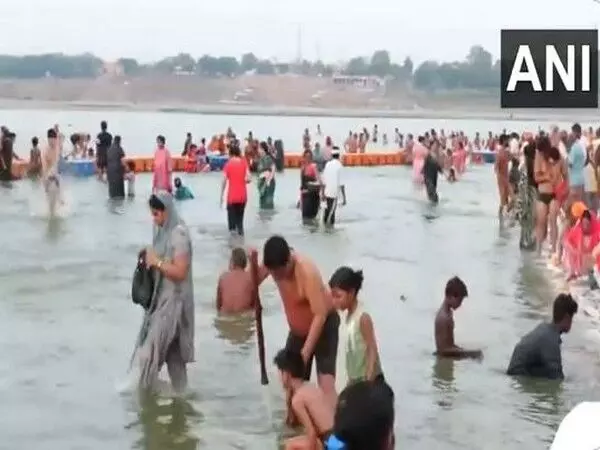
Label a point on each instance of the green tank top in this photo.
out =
(356, 350)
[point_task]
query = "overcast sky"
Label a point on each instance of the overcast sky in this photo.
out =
(333, 30)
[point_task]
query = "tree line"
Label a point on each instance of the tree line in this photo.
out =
(477, 71)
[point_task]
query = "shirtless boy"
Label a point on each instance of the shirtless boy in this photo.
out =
(234, 290)
(50, 160)
(501, 168)
(309, 403)
(456, 291)
(312, 318)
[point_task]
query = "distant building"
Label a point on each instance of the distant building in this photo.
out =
(360, 82)
(114, 69)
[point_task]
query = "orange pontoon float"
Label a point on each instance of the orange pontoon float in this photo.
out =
(291, 161)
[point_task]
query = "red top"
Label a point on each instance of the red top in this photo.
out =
(236, 170)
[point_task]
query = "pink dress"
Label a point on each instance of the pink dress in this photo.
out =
(419, 153)
(162, 168)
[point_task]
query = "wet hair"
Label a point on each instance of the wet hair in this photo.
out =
(35, 141)
(347, 279)
(336, 152)
(131, 165)
(156, 203)
(564, 305)
(364, 416)
(117, 140)
(276, 252)
(51, 133)
(161, 139)
(455, 287)
(238, 258)
(177, 181)
(103, 125)
(264, 146)
(291, 362)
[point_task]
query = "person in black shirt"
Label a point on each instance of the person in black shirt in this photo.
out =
(103, 143)
(431, 169)
(538, 353)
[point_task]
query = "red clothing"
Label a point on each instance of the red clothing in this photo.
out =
(236, 171)
(576, 247)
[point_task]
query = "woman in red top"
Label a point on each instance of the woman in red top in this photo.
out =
(191, 162)
(235, 179)
(310, 186)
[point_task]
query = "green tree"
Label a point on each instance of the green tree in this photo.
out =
(380, 63)
(130, 66)
(357, 66)
(249, 62)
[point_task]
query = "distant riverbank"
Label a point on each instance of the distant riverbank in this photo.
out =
(289, 111)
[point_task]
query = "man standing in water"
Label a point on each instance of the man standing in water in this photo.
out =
(6, 156)
(103, 143)
(501, 167)
(312, 318)
(456, 291)
(50, 160)
(431, 169)
(332, 187)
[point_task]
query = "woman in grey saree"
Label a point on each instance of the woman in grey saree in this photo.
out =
(266, 177)
(167, 333)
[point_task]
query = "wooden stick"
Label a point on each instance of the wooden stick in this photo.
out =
(264, 380)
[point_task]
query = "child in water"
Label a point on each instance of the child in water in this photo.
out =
(35, 160)
(182, 192)
(309, 403)
(451, 175)
(130, 178)
(362, 355)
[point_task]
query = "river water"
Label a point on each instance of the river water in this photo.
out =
(139, 129)
(68, 325)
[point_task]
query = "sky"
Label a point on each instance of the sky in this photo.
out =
(332, 30)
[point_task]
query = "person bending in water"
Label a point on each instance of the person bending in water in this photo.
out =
(362, 355)
(235, 287)
(538, 353)
(182, 192)
(431, 170)
(312, 318)
(456, 291)
(309, 403)
(50, 160)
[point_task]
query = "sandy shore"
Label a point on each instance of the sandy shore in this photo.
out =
(290, 111)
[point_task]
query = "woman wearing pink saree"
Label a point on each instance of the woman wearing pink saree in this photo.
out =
(162, 167)
(419, 153)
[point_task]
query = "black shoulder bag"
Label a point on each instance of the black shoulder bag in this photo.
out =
(142, 285)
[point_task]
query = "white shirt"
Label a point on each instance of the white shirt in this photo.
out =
(332, 177)
(579, 429)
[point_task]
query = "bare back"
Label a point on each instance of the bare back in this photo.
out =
(313, 410)
(235, 292)
(50, 161)
(444, 330)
